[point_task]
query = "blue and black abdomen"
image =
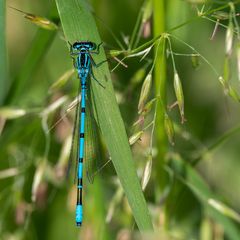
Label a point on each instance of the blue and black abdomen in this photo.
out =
(82, 62)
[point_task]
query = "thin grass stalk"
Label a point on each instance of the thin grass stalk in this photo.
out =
(78, 23)
(160, 90)
(38, 50)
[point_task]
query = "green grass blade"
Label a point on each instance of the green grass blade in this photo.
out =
(160, 89)
(78, 24)
(199, 187)
(3, 51)
(217, 143)
(38, 50)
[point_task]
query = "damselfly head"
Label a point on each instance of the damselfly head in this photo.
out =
(84, 45)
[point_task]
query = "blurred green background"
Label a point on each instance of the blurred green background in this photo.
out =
(38, 203)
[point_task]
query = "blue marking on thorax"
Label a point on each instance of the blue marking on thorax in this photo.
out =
(83, 63)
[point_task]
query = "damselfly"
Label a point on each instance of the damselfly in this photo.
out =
(83, 62)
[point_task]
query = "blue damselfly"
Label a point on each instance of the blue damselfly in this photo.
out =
(81, 53)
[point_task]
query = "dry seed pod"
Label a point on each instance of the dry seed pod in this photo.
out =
(145, 92)
(229, 38)
(169, 129)
(220, 15)
(10, 172)
(224, 209)
(147, 13)
(148, 107)
(135, 137)
(147, 172)
(147, 29)
(179, 95)
(38, 178)
(39, 21)
(11, 113)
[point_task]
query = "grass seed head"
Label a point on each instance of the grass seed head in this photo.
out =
(229, 39)
(179, 95)
(169, 129)
(145, 91)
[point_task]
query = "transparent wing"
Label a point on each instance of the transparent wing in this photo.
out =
(93, 158)
(93, 153)
(75, 141)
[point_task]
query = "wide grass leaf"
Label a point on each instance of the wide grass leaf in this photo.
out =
(199, 187)
(78, 25)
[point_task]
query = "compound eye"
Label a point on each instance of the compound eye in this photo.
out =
(76, 46)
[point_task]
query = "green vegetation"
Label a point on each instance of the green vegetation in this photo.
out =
(168, 119)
